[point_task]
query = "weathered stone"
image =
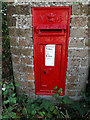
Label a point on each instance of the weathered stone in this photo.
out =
(83, 71)
(79, 21)
(76, 42)
(76, 32)
(11, 21)
(72, 86)
(78, 53)
(74, 62)
(83, 79)
(84, 62)
(73, 71)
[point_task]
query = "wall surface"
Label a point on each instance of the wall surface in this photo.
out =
(20, 31)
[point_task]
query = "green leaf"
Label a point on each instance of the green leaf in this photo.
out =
(0, 82)
(13, 115)
(51, 91)
(60, 91)
(24, 111)
(0, 116)
(5, 102)
(12, 100)
(52, 108)
(10, 108)
(55, 112)
(55, 88)
(13, 94)
(17, 84)
(33, 112)
(67, 115)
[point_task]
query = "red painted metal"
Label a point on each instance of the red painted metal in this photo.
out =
(50, 26)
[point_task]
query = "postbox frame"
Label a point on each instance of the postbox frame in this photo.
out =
(62, 83)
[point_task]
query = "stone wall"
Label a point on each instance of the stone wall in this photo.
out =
(20, 31)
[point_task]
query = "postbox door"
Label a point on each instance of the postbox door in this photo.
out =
(50, 66)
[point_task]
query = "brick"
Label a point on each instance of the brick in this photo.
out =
(76, 42)
(31, 84)
(15, 51)
(11, 21)
(27, 42)
(24, 22)
(76, 10)
(18, 9)
(26, 51)
(78, 53)
(80, 9)
(30, 76)
(26, 60)
(78, 22)
(15, 59)
(72, 79)
(76, 32)
(12, 32)
(17, 76)
(84, 62)
(71, 93)
(26, 69)
(74, 62)
(23, 9)
(84, 9)
(20, 32)
(14, 42)
(11, 10)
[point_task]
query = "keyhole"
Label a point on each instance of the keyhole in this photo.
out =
(44, 72)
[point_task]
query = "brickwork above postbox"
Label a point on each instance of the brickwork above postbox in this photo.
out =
(50, 35)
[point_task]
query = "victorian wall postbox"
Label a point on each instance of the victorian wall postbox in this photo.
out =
(50, 38)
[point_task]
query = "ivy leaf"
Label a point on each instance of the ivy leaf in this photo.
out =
(60, 91)
(51, 108)
(13, 115)
(5, 102)
(17, 84)
(34, 112)
(55, 88)
(55, 112)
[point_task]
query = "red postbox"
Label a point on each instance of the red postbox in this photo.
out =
(50, 37)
